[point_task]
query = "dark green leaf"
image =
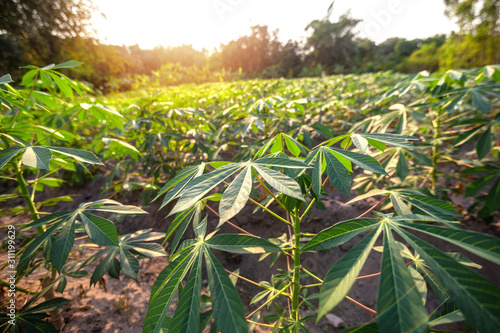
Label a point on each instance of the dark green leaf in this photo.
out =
(340, 278)
(37, 157)
(100, 230)
(228, 310)
(339, 234)
(241, 244)
(399, 306)
(62, 245)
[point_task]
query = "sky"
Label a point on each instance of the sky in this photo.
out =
(208, 23)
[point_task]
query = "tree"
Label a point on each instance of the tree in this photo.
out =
(39, 25)
(479, 22)
(332, 44)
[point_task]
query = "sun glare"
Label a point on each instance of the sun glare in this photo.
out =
(150, 23)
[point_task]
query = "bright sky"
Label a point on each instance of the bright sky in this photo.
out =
(208, 23)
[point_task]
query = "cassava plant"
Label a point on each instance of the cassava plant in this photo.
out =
(34, 152)
(293, 179)
(457, 114)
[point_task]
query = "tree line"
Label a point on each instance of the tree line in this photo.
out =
(30, 33)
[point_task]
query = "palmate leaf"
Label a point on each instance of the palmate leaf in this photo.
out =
(399, 306)
(229, 313)
(482, 245)
(340, 278)
(236, 195)
(339, 234)
(475, 295)
(236, 243)
(187, 314)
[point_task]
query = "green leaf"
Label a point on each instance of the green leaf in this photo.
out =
(281, 162)
(395, 140)
(479, 184)
(402, 168)
(149, 250)
(228, 310)
(118, 209)
(483, 146)
(68, 64)
(182, 175)
(48, 306)
(105, 264)
(167, 283)
(339, 234)
(37, 157)
(280, 182)
(236, 243)
(480, 101)
(317, 173)
(128, 263)
(399, 206)
(62, 84)
(178, 184)
(337, 173)
(399, 305)
(340, 278)
(360, 142)
(78, 154)
(7, 154)
(448, 318)
(187, 314)
(4, 79)
(201, 185)
(46, 220)
(482, 245)
(431, 206)
(62, 245)
(30, 250)
(235, 197)
(179, 218)
(100, 230)
(178, 263)
(472, 293)
(363, 161)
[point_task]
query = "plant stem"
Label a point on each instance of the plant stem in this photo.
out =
(296, 266)
(269, 211)
(279, 293)
(23, 187)
(435, 148)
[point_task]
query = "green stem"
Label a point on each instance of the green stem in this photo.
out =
(435, 148)
(23, 186)
(269, 211)
(296, 266)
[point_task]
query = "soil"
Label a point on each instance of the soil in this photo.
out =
(120, 305)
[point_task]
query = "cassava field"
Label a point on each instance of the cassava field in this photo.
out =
(348, 202)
